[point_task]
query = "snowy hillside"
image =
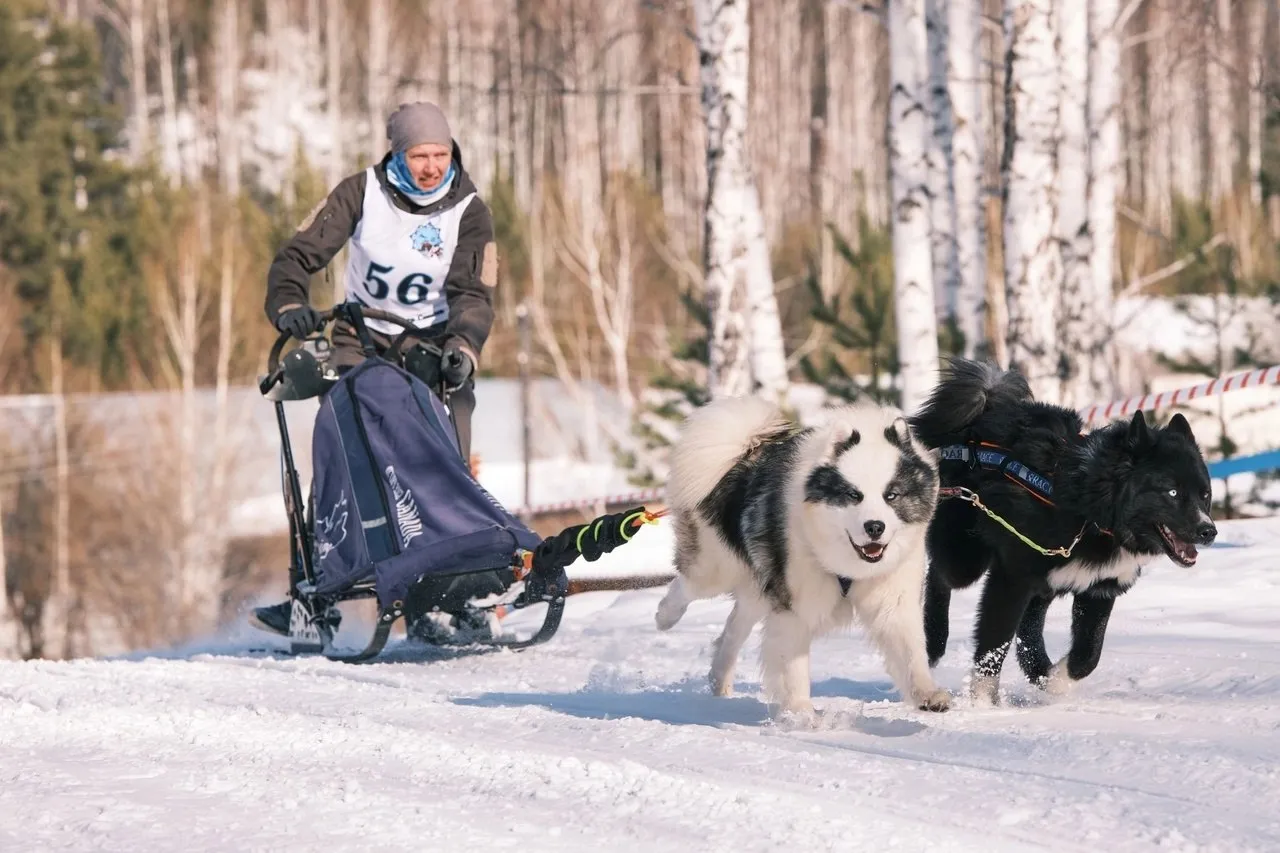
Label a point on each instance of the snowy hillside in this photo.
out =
(607, 737)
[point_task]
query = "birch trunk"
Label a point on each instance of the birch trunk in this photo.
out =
(1257, 78)
(814, 27)
(172, 160)
(56, 615)
(1157, 160)
(333, 98)
(209, 568)
(185, 346)
(582, 132)
(1078, 338)
(942, 189)
(909, 133)
(746, 352)
(378, 82)
(768, 356)
(968, 158)
(1182, 69)
(1104, 175)
(1222, 148)
(138, 78)
(1032, 257)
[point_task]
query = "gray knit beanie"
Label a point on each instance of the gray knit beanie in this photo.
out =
(416, 123)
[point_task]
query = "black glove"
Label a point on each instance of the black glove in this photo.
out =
(299, 322)
(455, 365)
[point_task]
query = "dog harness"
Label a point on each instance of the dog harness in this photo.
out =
(992, 457)
(980, 454)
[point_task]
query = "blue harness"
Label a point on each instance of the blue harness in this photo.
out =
(992, 458)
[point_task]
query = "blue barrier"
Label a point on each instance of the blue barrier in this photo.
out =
(1245, 464)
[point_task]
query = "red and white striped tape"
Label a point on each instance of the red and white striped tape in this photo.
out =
(1099, 411)
(610, 500)
(1221, 385)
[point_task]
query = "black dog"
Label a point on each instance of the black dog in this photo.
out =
(1115, 497)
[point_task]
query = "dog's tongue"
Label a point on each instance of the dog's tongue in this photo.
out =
(873, 549)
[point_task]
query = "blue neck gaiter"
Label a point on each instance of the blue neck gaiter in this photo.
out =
(399, 176)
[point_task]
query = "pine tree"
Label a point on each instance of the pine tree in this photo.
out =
(68, 209)
(866, 331)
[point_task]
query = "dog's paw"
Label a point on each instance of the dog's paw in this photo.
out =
(796, 716)
(668, 614)
(721, 684)
(1058, 682)
(935, 700)
(984, 690)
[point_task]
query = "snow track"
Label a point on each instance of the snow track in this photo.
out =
(608, 738)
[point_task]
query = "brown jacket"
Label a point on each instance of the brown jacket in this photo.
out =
(472, 274)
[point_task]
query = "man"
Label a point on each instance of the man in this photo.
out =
(421, 247)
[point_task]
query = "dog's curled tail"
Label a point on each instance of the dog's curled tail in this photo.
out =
(966, 390)
(712, 440)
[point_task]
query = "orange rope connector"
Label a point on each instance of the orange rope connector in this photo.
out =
(522, 569)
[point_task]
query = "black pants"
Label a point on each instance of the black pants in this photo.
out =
(347, 353)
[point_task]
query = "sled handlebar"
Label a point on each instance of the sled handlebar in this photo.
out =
(343, 311)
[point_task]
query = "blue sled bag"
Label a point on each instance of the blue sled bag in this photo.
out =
(394, 499)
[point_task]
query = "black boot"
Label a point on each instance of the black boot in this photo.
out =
(274, 618)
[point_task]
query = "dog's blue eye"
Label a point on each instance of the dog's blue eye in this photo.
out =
(1173, 493)
(890, 497)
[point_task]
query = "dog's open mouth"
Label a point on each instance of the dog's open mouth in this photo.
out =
(1182, 552)
(872, 552)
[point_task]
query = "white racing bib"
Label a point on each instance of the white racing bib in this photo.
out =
(398, 261)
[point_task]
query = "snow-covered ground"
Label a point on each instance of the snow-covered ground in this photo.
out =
(607, 738)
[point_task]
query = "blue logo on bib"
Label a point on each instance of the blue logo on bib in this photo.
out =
(427, 239)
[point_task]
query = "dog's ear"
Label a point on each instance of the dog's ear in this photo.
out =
(1139, 434)
(846, 442)
(1178, 425)
(898, 433)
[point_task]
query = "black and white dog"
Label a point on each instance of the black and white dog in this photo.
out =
(1126, 492)
(808, 529)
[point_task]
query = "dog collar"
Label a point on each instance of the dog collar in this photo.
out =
(845, 583)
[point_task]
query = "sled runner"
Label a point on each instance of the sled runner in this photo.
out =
(394, 513)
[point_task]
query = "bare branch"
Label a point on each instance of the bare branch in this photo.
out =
(1172, 269)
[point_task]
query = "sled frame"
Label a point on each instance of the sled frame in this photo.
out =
(301, 514)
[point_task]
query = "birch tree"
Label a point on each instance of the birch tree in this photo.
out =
(942, 189)
(746, 337)
(1222, 141)
(208, 580)
(137, 24)
(333, 92)
(1256, 111)
(968, 159)
(1077, 323)
(168, 96)
(1105, 28)
(1032, 253)
(377, 85)
(56, 615)
(909, 133)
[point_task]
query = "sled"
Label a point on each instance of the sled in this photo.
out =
(471, 560)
